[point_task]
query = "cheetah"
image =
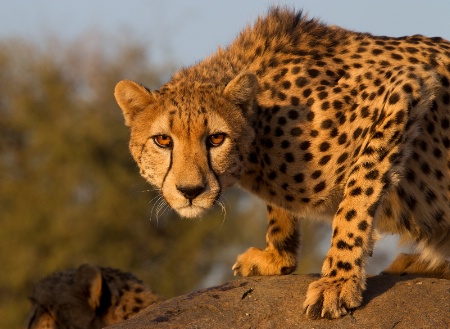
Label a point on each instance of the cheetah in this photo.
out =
(88, 297)
(320, 123)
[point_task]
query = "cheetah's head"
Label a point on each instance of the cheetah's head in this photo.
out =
(188, 138)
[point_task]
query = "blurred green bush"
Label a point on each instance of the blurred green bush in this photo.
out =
(70, 192)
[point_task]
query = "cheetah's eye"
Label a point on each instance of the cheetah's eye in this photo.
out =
(216, 139)
(163, 141)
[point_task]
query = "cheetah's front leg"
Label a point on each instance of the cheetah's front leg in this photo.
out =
(380, 162)
(280, 255)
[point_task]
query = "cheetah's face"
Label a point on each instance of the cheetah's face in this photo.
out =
(189, 142)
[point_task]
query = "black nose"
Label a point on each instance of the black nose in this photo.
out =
(191, 191)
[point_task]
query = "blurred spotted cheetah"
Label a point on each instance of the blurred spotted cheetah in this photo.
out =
(89, 297)
(321, 123)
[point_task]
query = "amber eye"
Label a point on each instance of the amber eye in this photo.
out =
(163, 141)
(216, 139)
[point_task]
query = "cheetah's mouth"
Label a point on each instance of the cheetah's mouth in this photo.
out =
(196, 207)
(191, 211)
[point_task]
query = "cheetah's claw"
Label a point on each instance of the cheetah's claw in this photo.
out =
(332, 298)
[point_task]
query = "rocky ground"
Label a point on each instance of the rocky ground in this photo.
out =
(276, 302)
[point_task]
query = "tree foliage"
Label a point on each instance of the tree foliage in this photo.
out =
(70, 192)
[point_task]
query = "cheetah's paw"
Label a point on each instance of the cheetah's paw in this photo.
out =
(264, 262)
(331, 298)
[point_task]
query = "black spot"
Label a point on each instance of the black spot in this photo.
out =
(324, 160)
(281, 96)
(289, 198)
(371, 175)
(446, 142)
(399, 117)
(334, 132)
(279, 132)
(445, 124)
(350, 214)
(341, 244)
(289, 157)
(295, 70)
(324, 146)
(308, 157)
(363, 225)
(268, 143)
(396, 56)
(322, 95)
(299, 178)
(301, 82)
(407, 88)
(344, 266)
(295, 100)
(358, 241)
(437, 153)
(394, 98)
(335, 232)
(316, 174)
(411, 50)
(307, 92)
(253, 158)
(337, 105)
(327, 124)
(438, 216)
(285, 144)
(430, 196)
(282, 120)
(356, 133)
(286, 84)
(369, 191)
(425, 168)
(377, 51)
(296, 131)
(313, 73)
(310, 116)
(305, 145)
(342, 157)
(325, 106)
(438, 174)
(342, 138)
(356, 191)
(319, 187)
(365, 112)
(446, 98)
(292, 114)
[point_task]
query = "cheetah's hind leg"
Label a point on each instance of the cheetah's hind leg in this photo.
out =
(410, 264)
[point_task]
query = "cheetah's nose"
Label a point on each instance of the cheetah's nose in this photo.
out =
(190, 192)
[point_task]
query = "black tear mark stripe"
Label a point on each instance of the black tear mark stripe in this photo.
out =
(168, 169)
(216, 175)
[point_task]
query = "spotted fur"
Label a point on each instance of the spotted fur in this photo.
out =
(88, 297)
(319, 122)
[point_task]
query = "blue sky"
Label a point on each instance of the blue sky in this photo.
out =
(188, 30)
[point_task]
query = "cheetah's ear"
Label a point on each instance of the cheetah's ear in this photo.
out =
(132, 99)
(242, 90)
(89, 279)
